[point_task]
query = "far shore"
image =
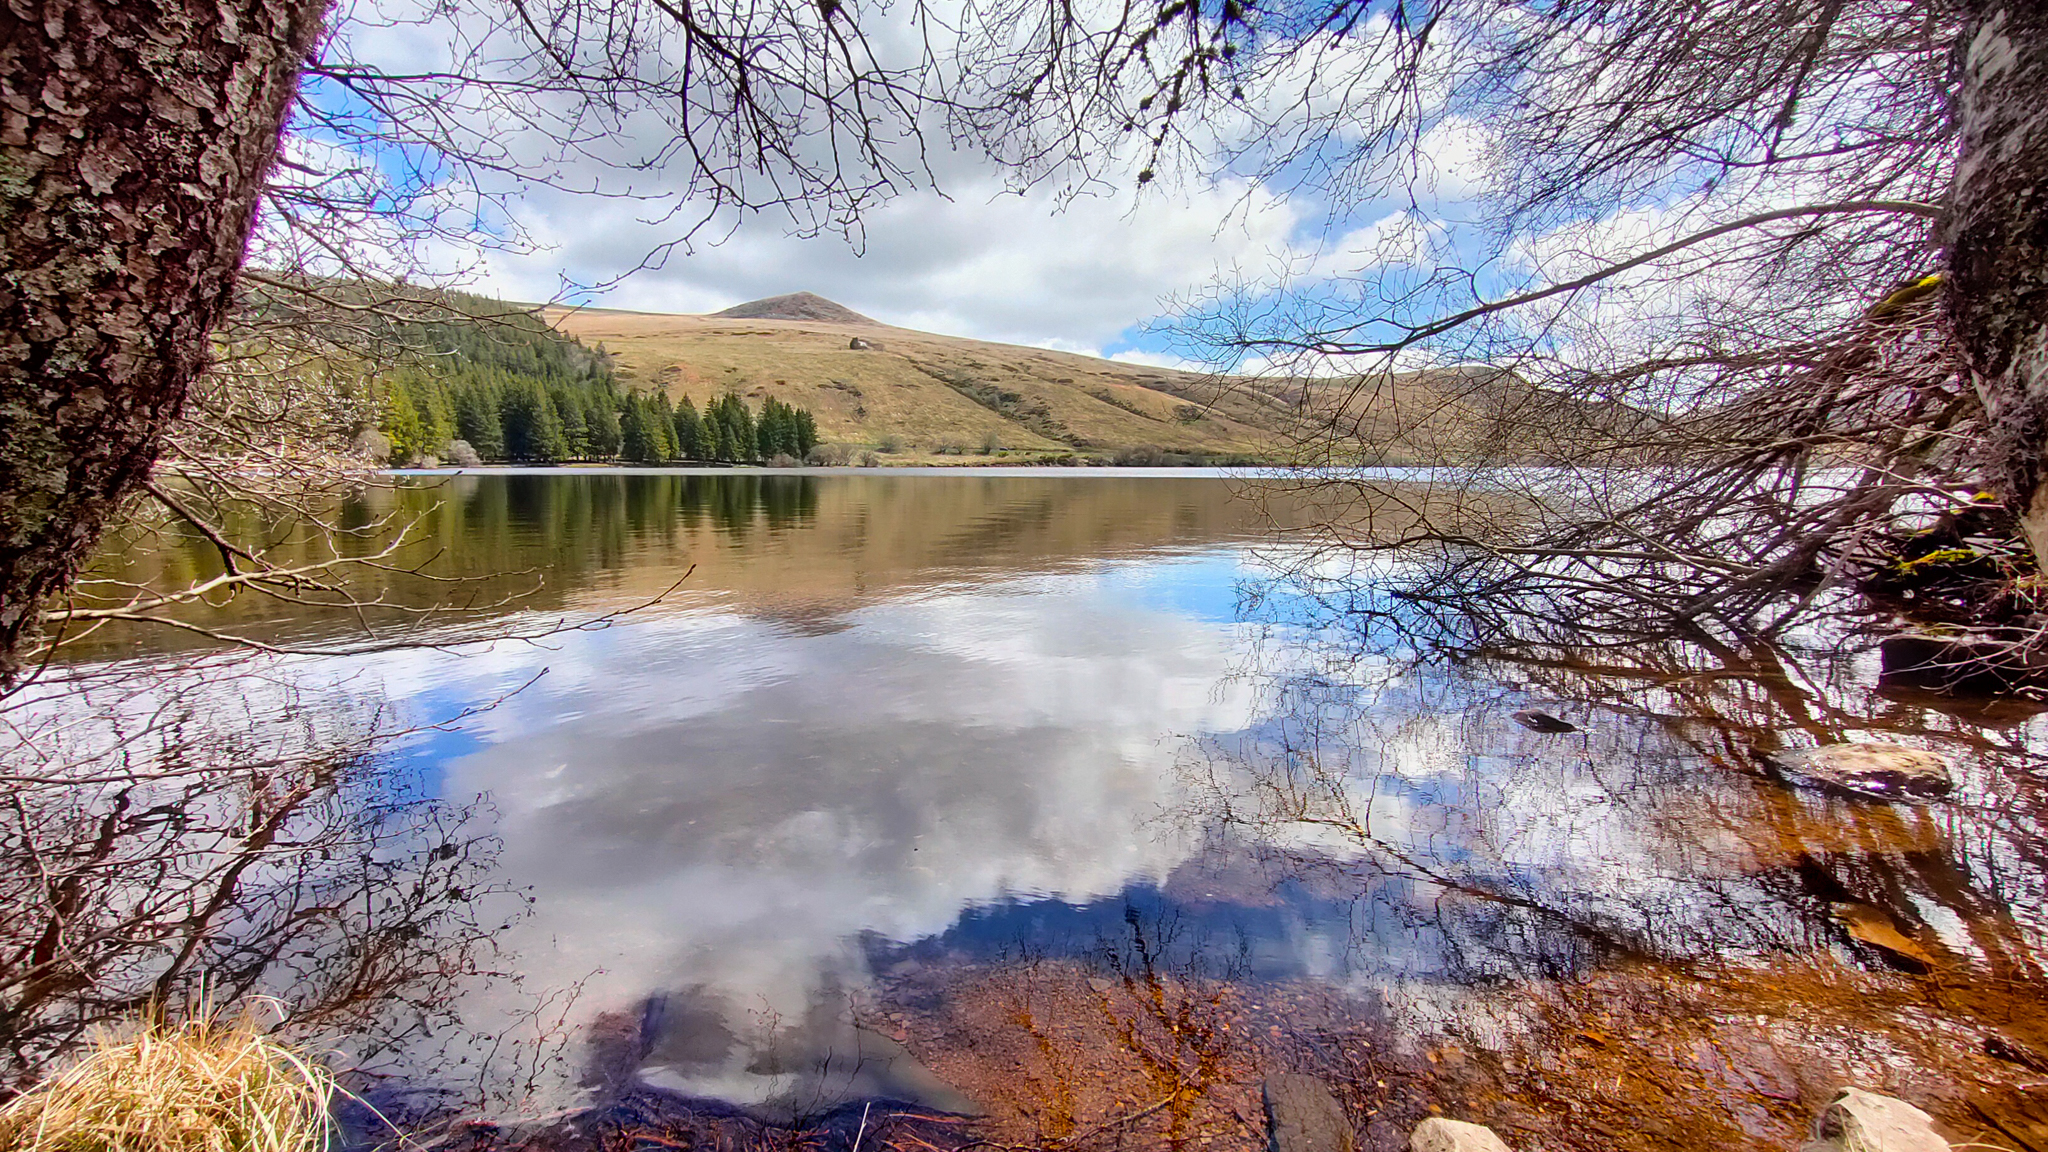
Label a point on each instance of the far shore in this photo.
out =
(1233, 471)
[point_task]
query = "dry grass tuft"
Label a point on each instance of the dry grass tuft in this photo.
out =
(200, 1086)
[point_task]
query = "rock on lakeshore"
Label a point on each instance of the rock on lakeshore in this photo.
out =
(1303, 1116)
(1887, 771)
(1437, 1134)
(1860, 1121)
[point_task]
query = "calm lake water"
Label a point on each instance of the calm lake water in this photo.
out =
(1046, 796)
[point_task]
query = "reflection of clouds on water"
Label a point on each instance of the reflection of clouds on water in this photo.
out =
(727, 806)
(718, 814)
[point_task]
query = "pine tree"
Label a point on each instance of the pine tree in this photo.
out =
(399, 420)
(601, 424)
(717, 433)
(689, 432)
(739, 429)
(806, 433)
(569, 414)
(635, 445)
(437, 419)
(772, 431)
(532, 432)
(663, 424)
(477, 421)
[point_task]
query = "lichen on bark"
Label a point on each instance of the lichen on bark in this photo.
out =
(1996, 238)
(134, 140)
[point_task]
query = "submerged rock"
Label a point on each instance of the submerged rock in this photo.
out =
(1869, 768)
(1872, 926)
(1437, 1134)
(1302, 1115)
(1860, 1121)
(1537, 720)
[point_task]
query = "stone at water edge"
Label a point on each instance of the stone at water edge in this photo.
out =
(1860, 1121)
(1437, 1134)
(1869, 767)
(1303, 1116)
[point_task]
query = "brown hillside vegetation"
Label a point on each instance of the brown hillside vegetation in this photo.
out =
(795, 306)
(920, 396)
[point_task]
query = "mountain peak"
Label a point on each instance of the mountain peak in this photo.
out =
(795, 306)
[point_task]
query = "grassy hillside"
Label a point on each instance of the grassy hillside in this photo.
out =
(927, 396)
(919, 397)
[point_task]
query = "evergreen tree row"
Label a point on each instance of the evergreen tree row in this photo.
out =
(515, 390)
(505, 417)
(726, 430)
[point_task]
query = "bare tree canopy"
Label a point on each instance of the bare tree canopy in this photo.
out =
(1786, 253)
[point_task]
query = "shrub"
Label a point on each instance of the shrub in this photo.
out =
(199, 1086)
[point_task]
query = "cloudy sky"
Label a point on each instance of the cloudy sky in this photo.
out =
(973, 260)
(957, 251)
(582, 191)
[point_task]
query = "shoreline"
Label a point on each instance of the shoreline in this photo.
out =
(1188, 472)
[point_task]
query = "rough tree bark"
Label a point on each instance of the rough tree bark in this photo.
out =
(134, 139)
(1996, 237)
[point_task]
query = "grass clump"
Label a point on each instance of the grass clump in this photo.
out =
(203, 1085)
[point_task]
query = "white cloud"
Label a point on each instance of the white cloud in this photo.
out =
(1402, 239)
(977, 262)
(1158, 360)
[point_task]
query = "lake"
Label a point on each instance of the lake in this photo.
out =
(1074, 801)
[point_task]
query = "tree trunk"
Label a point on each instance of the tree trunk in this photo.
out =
(1996, 237)
(134, 139)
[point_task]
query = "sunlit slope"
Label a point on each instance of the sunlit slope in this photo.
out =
(925, 396)
(928, 393)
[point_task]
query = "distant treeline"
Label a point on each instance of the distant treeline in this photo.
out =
(512, 389)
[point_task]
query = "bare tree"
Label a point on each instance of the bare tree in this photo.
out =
(135, 142)
(1785, 252)
(1993, 231)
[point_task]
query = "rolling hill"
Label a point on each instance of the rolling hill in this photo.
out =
(921, 397)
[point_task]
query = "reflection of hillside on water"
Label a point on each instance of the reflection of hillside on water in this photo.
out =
(788, 546)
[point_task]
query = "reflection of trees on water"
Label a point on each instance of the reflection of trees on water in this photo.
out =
(568, 509)
(473, 549)
(1390, 765)
(204, 834)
